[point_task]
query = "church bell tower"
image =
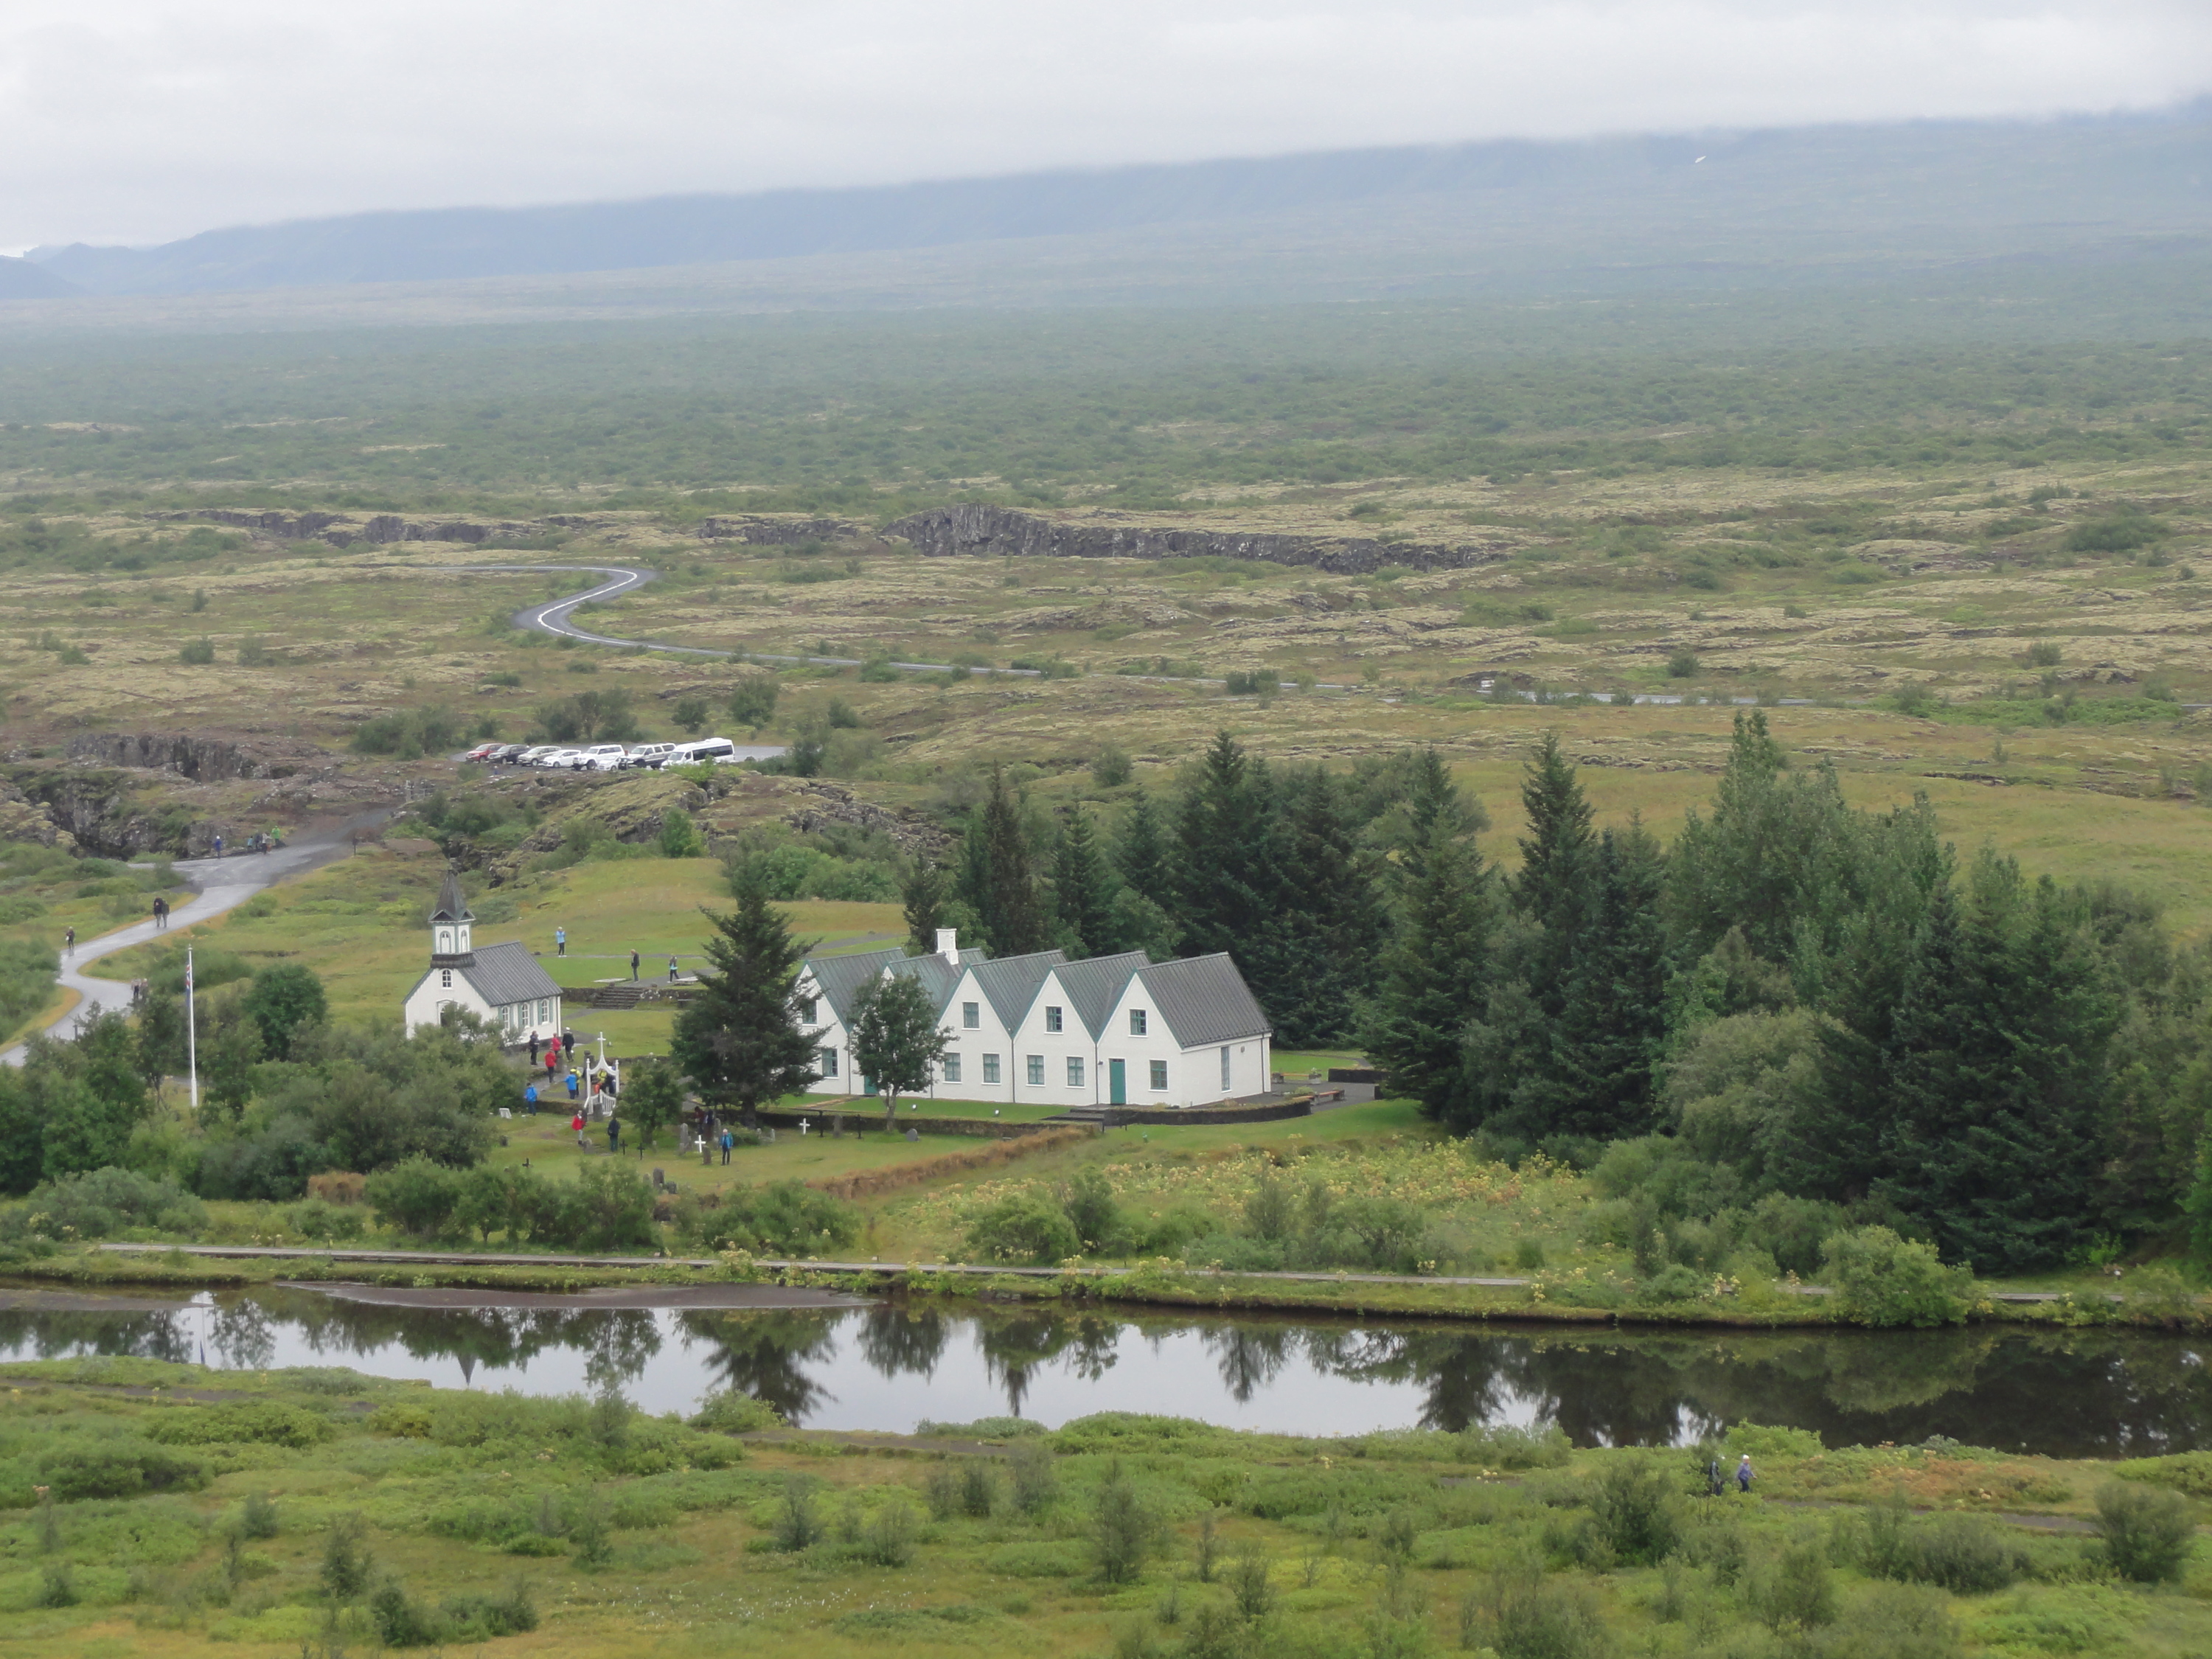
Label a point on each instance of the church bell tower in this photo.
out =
(450, 923)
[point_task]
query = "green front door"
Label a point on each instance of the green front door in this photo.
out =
(1117, 1083)
(867, 1085)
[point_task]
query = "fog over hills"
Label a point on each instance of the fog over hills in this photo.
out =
(1805, 196)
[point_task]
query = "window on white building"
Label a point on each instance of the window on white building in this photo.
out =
(971, 1016)
(952, 1068)
(1225, 1065)
(826, 1061)
(544, 1011)
(990, 1068)
(444, 979)
(1037, 1071)
(811, 1013)
(1159, 1074)
(1052, 1019)
(1136, 1022)
(1075, 1071)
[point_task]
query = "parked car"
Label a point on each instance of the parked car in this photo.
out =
(648, 754)
(482, 752)
(556, 757)
(507, 752)
(601, 757)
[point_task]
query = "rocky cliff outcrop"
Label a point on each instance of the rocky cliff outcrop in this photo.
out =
(203, 760)
(778, 532)
(22, 818)
(341, 530)
(1001, 532)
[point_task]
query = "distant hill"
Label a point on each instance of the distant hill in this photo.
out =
(23, 279)
(1964, 189)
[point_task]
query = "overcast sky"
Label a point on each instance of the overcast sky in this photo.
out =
(140, 120)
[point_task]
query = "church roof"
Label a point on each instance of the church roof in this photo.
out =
(502, 973)
(450, 906)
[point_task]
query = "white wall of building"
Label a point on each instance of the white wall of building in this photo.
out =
(1193, 1076)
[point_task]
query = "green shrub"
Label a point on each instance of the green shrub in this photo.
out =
(347, 1566)
(102, 1203)
(267, 1422)
(1633, 1511)
(780, 1218)
(1889, 1621)
(122, 1467)
(798, 1523)
(2144, 1536)
(2186, 1472)
(1507, 1447)
(1123, 1532)
(1798, 1592)
(1523, 1615)
(728, 1411)
(1024, 1228)
(1882, 1279)
(199, 652)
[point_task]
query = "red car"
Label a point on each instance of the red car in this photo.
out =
(481, 750)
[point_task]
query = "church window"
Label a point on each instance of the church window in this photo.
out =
(444, 979)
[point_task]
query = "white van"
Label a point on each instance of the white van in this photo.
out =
(648, 754)
(706, 750)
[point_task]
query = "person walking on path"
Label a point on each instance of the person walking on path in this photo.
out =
(160, 916)
(569, 1044)
(533, 1048)
(577, 1124)
(614, 1133)
(218, 845)
(560, 941)
(552, 1064)
(633, 967)
(529, 1100)
(69, 944)
(1743, 1474)
(728, 1141)
(574, 1082)
(671, 970)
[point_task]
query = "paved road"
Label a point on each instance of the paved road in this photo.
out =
(219, 885)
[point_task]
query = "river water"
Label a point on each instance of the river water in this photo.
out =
(889, 1366)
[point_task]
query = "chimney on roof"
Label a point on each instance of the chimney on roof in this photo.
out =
(948, 944)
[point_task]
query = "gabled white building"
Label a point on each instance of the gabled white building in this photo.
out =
(1040, 1030)
(501, 983)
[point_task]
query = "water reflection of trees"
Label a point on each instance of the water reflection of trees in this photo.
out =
(2069, 1393)
(616, 1344)
(166, 1336)
(766, 1355)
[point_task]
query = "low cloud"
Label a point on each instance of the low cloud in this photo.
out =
(140, 120)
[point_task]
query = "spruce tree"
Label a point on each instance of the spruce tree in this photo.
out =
(1327, 930)
(1141, 852)
(998, 877)
(740, 1041)
(1549, 890)
(1996, 1071)
(1611, 1022)
(923, 892)
(1224, 851)
(1437, 969)
(1085, 888)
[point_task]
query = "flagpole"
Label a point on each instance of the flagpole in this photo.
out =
(191, 1032)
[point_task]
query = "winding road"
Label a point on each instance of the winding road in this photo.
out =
(218, 884)
(555, 618)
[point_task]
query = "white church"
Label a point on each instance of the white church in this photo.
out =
(1039, 1030)
(501, 984)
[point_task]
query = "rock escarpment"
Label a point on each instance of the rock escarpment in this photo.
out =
(778, 532)
(203, 760)
(1001, 532)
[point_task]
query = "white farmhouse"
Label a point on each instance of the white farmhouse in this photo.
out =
(1040, 1030)
(501, 983)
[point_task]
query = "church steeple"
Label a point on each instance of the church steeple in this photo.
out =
(450, 922)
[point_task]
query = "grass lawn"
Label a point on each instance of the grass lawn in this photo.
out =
(359, 924)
